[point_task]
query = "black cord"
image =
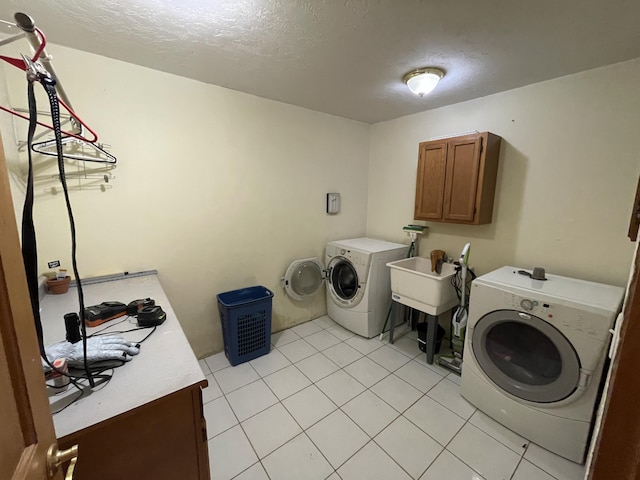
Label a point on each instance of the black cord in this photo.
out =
(128, 317)
(29, 246)
(456, 282)
(103, 379)
(30, 250)
(119, 332)
(98, 334)
(150, 333)
(78, 397)
(97, 372)
(49, 86)
(132, 330)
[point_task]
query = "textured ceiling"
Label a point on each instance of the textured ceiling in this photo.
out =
(347, 57)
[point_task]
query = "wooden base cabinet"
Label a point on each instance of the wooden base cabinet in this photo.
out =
(456, 179)
(147, 422)
(163, 440)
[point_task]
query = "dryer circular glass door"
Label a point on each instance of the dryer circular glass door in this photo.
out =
(344, 283)
(303, 278)
(526, 356)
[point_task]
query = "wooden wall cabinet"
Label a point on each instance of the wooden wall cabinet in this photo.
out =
(457, 179)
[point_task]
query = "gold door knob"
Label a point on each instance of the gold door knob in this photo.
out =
(55, 458)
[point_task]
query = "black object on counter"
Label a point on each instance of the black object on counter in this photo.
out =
(98, 314)
(72, 326)
(151, 316)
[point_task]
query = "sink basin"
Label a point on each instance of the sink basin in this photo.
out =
(415, 285)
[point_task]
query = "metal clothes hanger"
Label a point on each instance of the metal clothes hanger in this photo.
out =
(96, 153)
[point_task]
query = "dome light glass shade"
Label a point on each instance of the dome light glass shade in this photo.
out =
(423, 80)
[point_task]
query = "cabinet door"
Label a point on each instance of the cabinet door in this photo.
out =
(430, 180)
(162, 440)
(461, 181)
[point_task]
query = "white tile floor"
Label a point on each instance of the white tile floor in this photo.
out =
(325, 404)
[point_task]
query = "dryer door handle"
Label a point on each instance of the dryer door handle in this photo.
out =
(524, 315)
(583, 381)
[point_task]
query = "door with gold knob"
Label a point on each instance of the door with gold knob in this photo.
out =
(26, 431)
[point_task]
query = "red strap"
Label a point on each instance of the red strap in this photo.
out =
(19, 63)
(16, 62)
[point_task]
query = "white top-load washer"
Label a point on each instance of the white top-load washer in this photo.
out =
(357, 279)
(534, 354)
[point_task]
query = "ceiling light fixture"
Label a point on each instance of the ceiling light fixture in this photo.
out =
(422, 80)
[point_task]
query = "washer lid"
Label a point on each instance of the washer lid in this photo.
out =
(304, 278)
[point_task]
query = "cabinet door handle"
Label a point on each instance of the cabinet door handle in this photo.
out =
(72, 467)
(55, 458)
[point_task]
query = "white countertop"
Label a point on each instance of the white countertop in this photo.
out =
(165, 364)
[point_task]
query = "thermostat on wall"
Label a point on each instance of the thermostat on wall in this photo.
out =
(333, 203)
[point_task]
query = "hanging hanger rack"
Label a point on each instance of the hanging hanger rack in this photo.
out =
(23, 143)
(38, 42)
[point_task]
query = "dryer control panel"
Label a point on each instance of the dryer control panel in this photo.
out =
(558, 314)
(537, 307)
(355, 257)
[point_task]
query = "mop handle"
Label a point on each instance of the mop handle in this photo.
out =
(463, 300)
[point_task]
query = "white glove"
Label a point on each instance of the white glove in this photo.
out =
(103, 347)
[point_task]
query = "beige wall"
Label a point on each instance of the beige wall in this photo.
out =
(568, 171)
(16, 168)
(216, 189)
(219, 190)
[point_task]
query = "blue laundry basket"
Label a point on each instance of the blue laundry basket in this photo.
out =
(245, 315)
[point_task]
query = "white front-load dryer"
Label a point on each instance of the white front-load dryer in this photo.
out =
(357, 278)
(359, 282)
(534, 354)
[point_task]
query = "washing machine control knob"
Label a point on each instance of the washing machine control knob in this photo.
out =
(526, 304)
(342, 251)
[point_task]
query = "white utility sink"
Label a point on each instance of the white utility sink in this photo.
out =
(415, 285)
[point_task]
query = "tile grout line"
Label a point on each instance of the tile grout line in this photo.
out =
(319, 352)
(392, 458)
(399, 414)
(239, 423)
(314, 383)
(436, 459)
(221, 393)
(454, 455)
(335, 469)
(466, 421)
(242, 427)
(516, 469)
(370, 438)
(535, 464)
(497, 439)
(303, 430)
